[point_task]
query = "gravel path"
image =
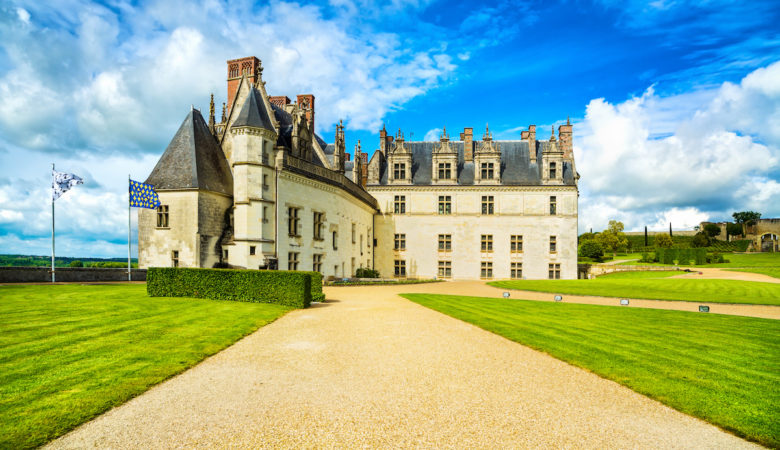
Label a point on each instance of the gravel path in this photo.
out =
(370, 369)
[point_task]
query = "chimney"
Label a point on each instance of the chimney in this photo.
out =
(532, 142)
(383, 140)
(524, 135)
(306, 103)
(279, 100)
(468, 147)
(249, 66)
(564, 134)
(363, 169)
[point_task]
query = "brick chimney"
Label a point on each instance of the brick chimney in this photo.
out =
(363, 168)
(279, 100)
(236, 68)
(468, 147)
(532, 142)
(306, 102)
(564, 134)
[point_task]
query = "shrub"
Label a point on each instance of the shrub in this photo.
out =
(711, 230)
(592, 250)
(364, 272)
(700, 240)
(662, 241)
(76, 263)
(282, 287)
(733, 229)
(316, 286)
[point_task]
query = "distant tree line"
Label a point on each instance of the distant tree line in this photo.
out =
(45, 261)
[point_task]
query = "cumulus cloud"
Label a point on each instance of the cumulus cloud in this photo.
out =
(641, 165)
(432, 135)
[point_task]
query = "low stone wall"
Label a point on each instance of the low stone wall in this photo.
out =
(73, 274)
(587, 271)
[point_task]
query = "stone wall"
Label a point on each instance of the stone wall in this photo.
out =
(72, 274)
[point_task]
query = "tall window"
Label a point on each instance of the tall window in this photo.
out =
(162, 216)
(486, 170)
(316, 264)
(516, 270)
(292, 261)
(552, 170)
(445, 204)
(265, 182)
(445, 269)
(353, 233)
(399, 204)
(319, 224)
(486, 270)
(335, 240)
(516, 243)
(292, 221)
(175, 258)
(400, 241)
(553, 244)
(399, 171)
(487, 204)
(252, 250)
(445, 171)
(265, 214)
(445, 242)
(553, 205)
(486, 243)
(400, 268)
(554, 272)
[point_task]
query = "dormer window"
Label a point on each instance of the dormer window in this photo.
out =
(486, 171)
(552, 171)
(445, 171)
(399, 171)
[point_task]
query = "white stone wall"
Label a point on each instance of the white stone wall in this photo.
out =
(156, 245)
(342, 211)
(518, 211)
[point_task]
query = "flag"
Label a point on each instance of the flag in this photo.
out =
(61, 182)
(143, 195)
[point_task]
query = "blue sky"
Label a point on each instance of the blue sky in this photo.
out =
(675, 104)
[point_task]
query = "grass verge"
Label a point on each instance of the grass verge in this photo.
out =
(678, 289)
(723, 369)
(771, 271)
(735, 260)
(69, 353)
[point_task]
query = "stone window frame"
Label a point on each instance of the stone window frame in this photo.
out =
(516, 270)
(487, 170)
(292, 260)
(252, 250)
(399, 171)
(163, 217)
(486, 243)
(399, 242)
(445, 242)
(399, 204)
(444, 170)
(318, 225)
(174, 258)
(335, 235)
(445, 269)
(553, 244)
(488, 205)
(553, 204)
(516, 243)
(316, 262)
(486, 270)
(354, 231)
(293, 221)
(399, 268)
(445, 205)
(554, 271)
(553, 170)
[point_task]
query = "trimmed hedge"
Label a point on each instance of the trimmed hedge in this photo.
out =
(684, 256)
(316, 286)
(263, 286)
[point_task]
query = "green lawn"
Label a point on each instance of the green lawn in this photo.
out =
(771, 271)
(723, 369)
(652, 286)
(735, 260)
(69, 353)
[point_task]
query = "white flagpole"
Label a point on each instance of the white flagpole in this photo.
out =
(52, 224)
(129, 278)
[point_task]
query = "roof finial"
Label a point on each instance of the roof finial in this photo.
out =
(211, 113)
(568, 122)
(224, 116)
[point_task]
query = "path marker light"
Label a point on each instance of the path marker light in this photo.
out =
(704, 308)
(558, 298)
(506, 294)
(624, 301)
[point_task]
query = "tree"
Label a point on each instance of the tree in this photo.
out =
(700, 240)
(586, 237)
(746, 218)
(663, 241)
(612, 239)
(711, 229)
(591, 249)
(76, 263)
(733, 229)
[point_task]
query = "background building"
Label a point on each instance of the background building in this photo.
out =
(260, 189)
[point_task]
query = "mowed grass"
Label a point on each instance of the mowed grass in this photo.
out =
(723, 369)
(656, 286)
(741, 260)
(770, 271)
(69, 353)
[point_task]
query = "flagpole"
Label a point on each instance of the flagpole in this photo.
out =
(129, 277)
(52, 225)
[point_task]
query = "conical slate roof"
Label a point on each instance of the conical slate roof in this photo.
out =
(193, 159)
(253, 112)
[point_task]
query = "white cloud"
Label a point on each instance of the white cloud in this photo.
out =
(432, 135)
(684, 158)
(23, 15)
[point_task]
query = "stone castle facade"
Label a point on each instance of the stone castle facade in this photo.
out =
(261, 190)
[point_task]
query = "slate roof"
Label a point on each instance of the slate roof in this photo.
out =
(516, 166)
(285, 132)
(193, 159)
(253, 112)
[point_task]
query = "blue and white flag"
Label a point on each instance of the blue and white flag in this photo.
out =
(61, 182)
(143, 195)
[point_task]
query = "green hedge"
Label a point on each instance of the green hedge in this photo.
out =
(316, 286)
(684, 256)
(264, 286)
